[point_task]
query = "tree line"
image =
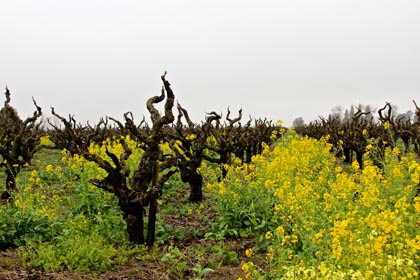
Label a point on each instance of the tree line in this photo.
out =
(352, 135)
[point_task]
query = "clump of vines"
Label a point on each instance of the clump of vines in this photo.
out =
(19, 141)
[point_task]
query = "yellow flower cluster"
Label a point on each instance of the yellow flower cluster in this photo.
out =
(35, 196)
(45, 140)
(328, 223)
(88, 169)
(250, 270)
(249, 253)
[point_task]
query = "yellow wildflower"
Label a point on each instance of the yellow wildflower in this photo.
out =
(191, 136)
(268, 235)
(268, 184)
(245, 267)
(319, 234)
(355, 165)
(270, 253)
(49, 168)
(417, 204)
(396, 151)
(280, 230)
(249, 253)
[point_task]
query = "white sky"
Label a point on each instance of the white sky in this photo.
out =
(278, 59)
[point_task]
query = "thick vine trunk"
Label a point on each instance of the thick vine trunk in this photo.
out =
(359, 158)
(224, 159)
(196, 184)
(133, 216)
(151, 226)
(347, 155)
(248, 155)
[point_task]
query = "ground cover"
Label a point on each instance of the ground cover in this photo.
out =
(293, 212)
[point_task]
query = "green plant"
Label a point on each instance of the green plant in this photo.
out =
(174, 257)
(223, 256)
(75, 251)
(17, 227)
(200, 271)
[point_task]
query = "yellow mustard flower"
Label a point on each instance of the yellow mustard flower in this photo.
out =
(249, 253)
(268, 235)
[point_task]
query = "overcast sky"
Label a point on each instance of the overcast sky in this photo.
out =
(276, 59)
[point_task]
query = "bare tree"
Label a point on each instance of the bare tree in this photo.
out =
(19, 141)
(145, 186)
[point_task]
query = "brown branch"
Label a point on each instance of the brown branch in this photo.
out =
(156, 190)
(183, 113)
(154, 113)
(388, 115)
(7, 93)
(415, 104)
(168, 117)
(135, 131)
(233, 121)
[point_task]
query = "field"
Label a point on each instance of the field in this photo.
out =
(295, 211)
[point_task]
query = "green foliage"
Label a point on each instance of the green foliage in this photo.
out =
(176, 262)
(58, 222)
(18, 228)
(75, 250)
(90, 208)
(173, 256)
(200, 271)
(244, 207)
(224, 255)
(238, 221)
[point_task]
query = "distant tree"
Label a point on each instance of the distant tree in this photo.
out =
(346, 118)
(298, 122)
(352, 112)
(337, 112)
(369, 109)
(349, 113)
(405, 117)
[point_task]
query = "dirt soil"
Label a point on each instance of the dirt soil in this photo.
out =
(11, 269)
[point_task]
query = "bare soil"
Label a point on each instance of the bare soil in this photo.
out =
(11, 268)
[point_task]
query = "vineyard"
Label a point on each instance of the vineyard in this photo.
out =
(223, 199)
